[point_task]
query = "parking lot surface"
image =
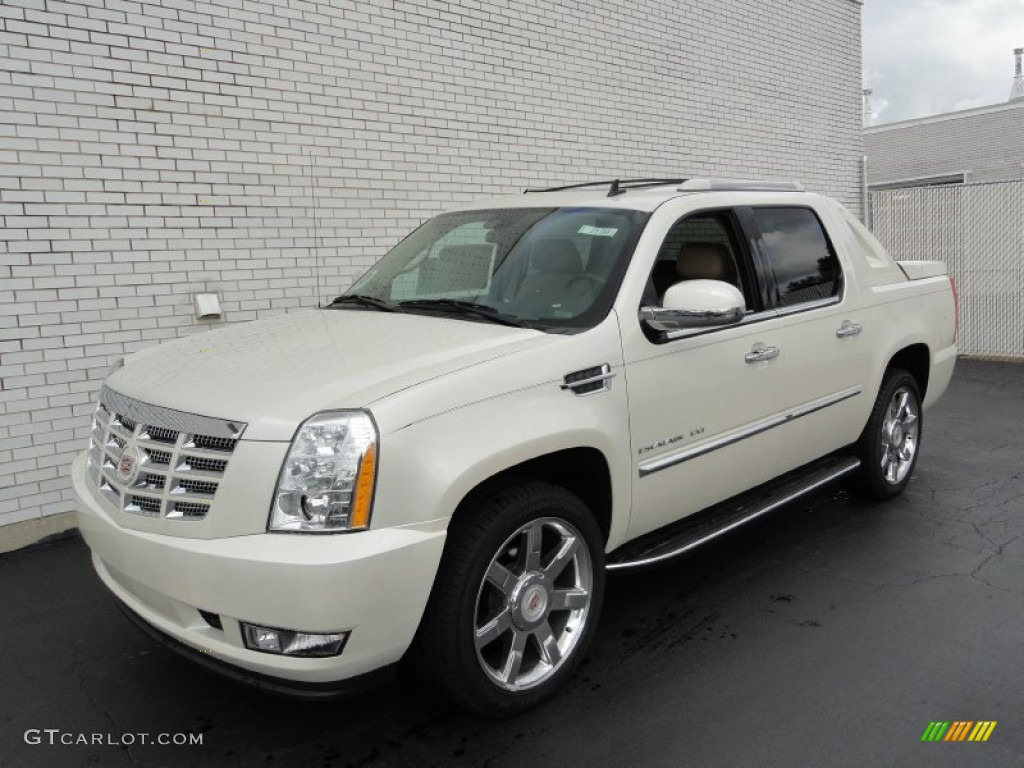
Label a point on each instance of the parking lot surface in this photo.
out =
(830, 633)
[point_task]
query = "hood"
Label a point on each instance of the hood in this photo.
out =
(275, 373)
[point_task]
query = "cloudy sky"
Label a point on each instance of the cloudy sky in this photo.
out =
(924, 57)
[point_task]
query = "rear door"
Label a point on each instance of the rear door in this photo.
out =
(823, 344)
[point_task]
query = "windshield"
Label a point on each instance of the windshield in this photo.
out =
(544, 267)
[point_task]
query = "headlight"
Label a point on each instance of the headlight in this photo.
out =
(327, 480)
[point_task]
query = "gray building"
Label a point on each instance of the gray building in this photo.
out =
(269, 151)
(951, 187)
(974, 145)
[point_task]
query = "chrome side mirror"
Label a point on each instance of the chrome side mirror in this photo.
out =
(696, 304)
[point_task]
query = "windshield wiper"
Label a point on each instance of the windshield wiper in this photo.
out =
(366, 301)
(455, 306)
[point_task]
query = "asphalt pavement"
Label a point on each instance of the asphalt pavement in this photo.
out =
(830, 633)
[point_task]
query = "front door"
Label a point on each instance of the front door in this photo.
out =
(701, 404)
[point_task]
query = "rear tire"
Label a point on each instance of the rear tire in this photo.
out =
(889, 445)
(516, 599)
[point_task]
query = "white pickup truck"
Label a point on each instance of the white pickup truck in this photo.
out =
(524, 394)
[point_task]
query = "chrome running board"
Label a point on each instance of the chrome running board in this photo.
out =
(690, 532)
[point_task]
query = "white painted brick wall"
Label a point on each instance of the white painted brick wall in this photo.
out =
(150, 150)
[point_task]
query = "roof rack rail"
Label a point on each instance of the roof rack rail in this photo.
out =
(739, 185)
(615, 186)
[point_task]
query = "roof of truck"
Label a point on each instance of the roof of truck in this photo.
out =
(629, 194)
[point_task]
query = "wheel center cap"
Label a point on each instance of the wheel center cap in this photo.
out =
(531, 601)
(896, 437)
(534, 602)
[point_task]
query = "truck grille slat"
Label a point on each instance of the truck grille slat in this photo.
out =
(155, 481)
(198, 486)
(214, 443)
(158, 457)
(188, 510)
(180, 457)
(202, 464)
(144, 505)
(161, 435)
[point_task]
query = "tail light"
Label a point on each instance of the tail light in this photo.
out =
(956, 308)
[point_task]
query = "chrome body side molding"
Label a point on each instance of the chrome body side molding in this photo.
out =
(750, 430)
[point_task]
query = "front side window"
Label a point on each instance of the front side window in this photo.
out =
(543, 267)
(799, 254)
(701, 246)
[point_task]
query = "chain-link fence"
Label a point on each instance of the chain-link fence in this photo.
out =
(978, 231)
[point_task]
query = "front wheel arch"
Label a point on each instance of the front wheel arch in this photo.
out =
(583, 471)
(447, 649)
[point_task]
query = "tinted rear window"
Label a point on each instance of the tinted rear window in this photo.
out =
(800, 255)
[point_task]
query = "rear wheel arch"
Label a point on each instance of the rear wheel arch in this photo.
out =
(888, 447)
(915, 359)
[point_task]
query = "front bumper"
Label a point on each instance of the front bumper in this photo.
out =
(373, 583)
(292, 688)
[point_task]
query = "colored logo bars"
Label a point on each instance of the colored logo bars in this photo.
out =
(959, 730)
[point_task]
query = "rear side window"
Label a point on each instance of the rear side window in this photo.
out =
(800, 255)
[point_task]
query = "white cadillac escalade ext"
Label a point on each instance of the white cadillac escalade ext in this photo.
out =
(523, 394)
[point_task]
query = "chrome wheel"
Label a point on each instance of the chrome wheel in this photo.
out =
(516, 599)
(533, 603)
(900, 433)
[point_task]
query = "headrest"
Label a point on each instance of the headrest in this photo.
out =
(467, 252)
(705, 261)
(466, 266)
(556, 254)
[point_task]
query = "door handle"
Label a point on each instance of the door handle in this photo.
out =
(761, 353)
(848, 329)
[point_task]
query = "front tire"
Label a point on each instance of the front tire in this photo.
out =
(516, 599)
(889, 445)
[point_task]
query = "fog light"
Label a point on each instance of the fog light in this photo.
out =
(290, 643)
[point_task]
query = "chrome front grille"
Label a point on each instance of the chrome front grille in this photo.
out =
(157, 462)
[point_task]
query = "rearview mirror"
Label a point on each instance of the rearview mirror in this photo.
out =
(696, 304)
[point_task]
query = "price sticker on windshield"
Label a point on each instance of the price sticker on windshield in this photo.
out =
(586, 229)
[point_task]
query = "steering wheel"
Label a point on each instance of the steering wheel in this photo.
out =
(594, 280)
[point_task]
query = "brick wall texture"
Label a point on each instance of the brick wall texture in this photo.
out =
(985, 144)
(271, 150)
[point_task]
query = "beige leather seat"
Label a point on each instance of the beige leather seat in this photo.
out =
(706, 261)
(462, 268)
(555, 263)
(556, 255)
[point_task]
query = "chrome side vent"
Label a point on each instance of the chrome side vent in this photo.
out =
(589, 380)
